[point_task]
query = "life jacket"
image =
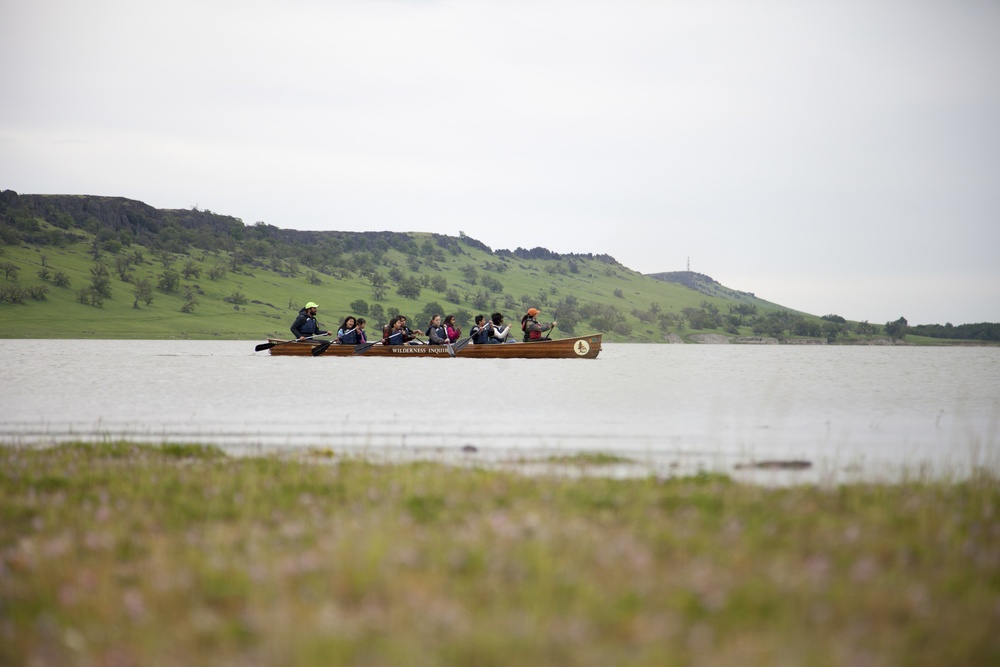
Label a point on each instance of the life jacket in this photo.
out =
(350, 338)
(497, 328)
(309, 328)
(439, 332)
(480, 335)
(530, 334)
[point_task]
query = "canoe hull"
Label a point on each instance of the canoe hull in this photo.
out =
(579, 347)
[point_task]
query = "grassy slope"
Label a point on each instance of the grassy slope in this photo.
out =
(275, 299)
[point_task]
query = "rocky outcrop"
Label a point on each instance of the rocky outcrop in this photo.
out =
(719, 339)
(710, 339)
(881, 341)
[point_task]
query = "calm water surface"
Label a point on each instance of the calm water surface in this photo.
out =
(851, 411)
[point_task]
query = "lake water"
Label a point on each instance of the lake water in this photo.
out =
(852, 412)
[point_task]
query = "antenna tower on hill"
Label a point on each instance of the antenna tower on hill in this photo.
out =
(689, 265)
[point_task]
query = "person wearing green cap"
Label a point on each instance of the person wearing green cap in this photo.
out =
(305, 325)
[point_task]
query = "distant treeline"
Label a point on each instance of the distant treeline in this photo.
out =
(981, 331)
(126, 221)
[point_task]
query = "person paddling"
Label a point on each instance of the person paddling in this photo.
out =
(347, 334)
(436, 333)
(531, 328)
(481, 331)
(305, 325)
(396, 333)
(500, 331)
(452, 330)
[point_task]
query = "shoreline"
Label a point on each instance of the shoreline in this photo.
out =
(574, 463)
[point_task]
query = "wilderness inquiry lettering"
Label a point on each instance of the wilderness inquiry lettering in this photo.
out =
(418, 349)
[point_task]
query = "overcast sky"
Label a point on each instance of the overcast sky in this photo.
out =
(833, 157)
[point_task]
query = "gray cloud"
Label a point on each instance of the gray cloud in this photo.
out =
(833, 157)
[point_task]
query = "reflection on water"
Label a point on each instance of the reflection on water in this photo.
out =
(851, 411)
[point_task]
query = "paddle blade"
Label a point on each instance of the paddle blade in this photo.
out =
(320, 349)
(364, 347)
(264, 346)
(457, 347)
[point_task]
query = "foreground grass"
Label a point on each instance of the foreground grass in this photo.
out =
(128, 555)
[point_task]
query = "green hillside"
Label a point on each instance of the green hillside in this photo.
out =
(103, 267)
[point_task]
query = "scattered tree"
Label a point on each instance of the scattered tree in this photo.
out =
(12, 293)
(10, 270)
(38, 292)
(492, 284)
(430, 310)
(142, 290)
(122, 265)
(409, 288)
(190, 302)
(470, 273)
(377, 314)
(378, 286)
(218, 272)
(237, 297)
(190, 270)
(169, 281)
(897, 329)
(480, 300)
(100, 280)
(88, 295)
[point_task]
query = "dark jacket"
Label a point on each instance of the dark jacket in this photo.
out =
(305, 325)
(481, 335)
(395, 338)
(351, 337)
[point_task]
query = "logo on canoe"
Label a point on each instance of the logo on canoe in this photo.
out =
(581, 347)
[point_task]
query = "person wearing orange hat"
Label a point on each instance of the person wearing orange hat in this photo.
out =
(305, 325)
(531, 328)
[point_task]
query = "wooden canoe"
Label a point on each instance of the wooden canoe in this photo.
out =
(580, 347)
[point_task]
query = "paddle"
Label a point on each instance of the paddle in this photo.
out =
(457, 347)
(364, 347)
(321, 348)
(269, 345)
(549, 333)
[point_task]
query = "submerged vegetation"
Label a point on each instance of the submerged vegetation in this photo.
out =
(126, 554)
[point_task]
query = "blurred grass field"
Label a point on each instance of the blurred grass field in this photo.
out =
(120, 554)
